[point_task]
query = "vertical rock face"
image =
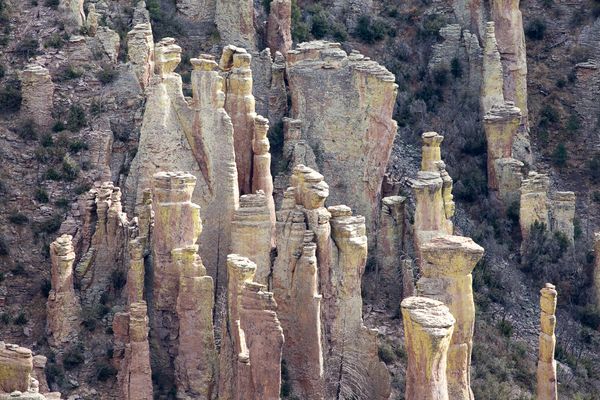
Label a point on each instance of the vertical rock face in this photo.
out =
(264, 339)
(563, 214)
(492, 86)
(446, 276)
(110, 42)
(470, 14)
(278, 105)
(235, 21)
(335, 241)
(251, 352)
(546, 370)
(39, 372)
(182, 294)
(240, 106)
(390, 244)
(345, 103)
(262, 180)
(428, 327)
(91, 20)
(198, 10)
(134, 375)
(433, 193)
(501, 124)
(251, 234)
(63, 307)
(74, 10)
(279, 26)
(16, 366)
(37, 90)
(511, 45)
(140, 52)
(587, 89)
(194, 136)
(535, 205)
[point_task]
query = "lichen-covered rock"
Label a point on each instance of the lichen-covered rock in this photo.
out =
(509, 175)
(235, 21)
(110, 42)
(492, 85)
(279, 26)
(198, 10)
(91, 20)
(546, 368)
(535, 204)
(563, 214)
(345, 103)
(194, 136)
(141, 15)
(587, 90)
(39, 372)
(140, 52)
(251, 234)
(428, 327)
(470, 14)
(63, 306)
(16, 366)
(278, 104)
(446, 276)
(37, 90)
(73, 10)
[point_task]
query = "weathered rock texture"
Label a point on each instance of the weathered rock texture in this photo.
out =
(235, 21)
(428, 327)
(511, 45)
(74, 10)
(39, 372)
(433, 193)
(92, 20)
(587, 89)
(446, 276)
(492, 85)
(194, 136)
(535, 204)
(390, 245)
(140, 52)
(546, 369)
(63, 306)
(251, 352)
(345, 103)
(501, 124)
(198, 10)
(134, 377)
(110, 42)
(37, 90)
(563, 214)
(349, 350)
(279, 26)
(278, 102)
(182, 294)
(251, 234)
(470, 14)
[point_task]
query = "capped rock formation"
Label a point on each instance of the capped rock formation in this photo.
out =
(428, 327)
(546, 369)
(140, 52)
(345, 103)
(492, 85)
(446, 276)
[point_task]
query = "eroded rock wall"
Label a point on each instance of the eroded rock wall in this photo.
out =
(37, 90)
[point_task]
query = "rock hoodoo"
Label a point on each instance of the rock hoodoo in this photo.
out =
(546, 370)
(37, 90)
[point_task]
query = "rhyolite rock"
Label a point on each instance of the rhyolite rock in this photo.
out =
(546, 368)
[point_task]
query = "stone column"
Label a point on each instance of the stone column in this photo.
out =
(278, 104)
(251, 234)
(74, 10)
(563, 214)
(446, 276)
(509, 175)
(408, 278)
(428, 327)
(534, 202)
(279, 26)
(492, 92)
(390, 244)
(140, 52)
(16, 364)
(261, 168)
(136, 271)
(37, 90)
(430, 216)
(546, 370)
(431, 151)
(39, 372)
(63, 306)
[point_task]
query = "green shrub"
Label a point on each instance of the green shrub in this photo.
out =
(548, 115)
(339, 32)
(2, 71)
(105, 371)
(4, 249)
(267, 6)
(431, 26)
(53, 174)
(118, 279)
(561, 83)
(320, 25)
(76, 118)
(107, 75)
(58, 126)
(27, 131)
(70, 170)
(505, 327)
(21, 319)
(68, 73)
(47, 140)
(5, 318)
(573, 124)
(76, 146)
(589, 316)
(456, 68)
(560, 155)
(300, 31)
(82, 188)
(593, 167)
(98, 107)
(73, 357)
(54, 374)
(62, 202)
(45, 288)
(41, 195)
(18, 218)
(55, 40)
(369, 31)
(48, 225)
(28, 47)
(52, 4)
(10, 97)
(386, 353)
(440, 76)
(536, 29)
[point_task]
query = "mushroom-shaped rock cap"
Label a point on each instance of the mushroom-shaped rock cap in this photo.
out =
(450, 255)
(428, 313)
